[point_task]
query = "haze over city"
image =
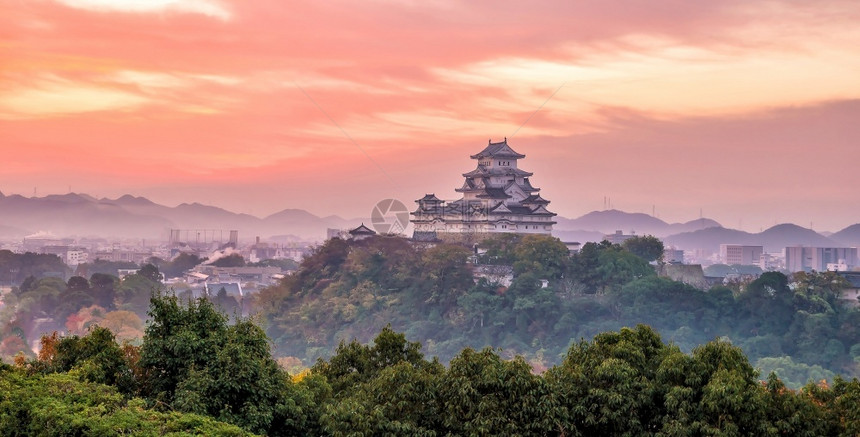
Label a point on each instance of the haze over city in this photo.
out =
(745, 112)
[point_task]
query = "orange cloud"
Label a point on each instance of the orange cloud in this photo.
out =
(243, 96)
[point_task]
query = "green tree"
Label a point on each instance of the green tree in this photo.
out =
(232, 260)
(150, 272)
(96, 356)
(177, 339)
(647, 247)
(446, 272)
(713, 392)
(243, 385)
(103, 289)
(544, 255)
(178, 265)
(606, 387)
(354, 363)
(134, 293)
(481, 394)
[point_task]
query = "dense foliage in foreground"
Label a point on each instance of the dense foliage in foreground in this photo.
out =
(195, 371)
(794, 324)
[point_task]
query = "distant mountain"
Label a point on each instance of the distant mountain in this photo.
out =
(773, 239)
(609, 221)
(138, 217)
(81, 215)
(778, 237)
(849, 236)
(578, 236)
(73, 214)
(709, 239)
(129, 200)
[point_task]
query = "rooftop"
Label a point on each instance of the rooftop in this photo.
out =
(498, 150)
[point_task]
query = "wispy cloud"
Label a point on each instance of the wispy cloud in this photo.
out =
(208, 8)
(207, 87)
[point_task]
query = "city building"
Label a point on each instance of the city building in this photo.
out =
(618, 237)
(497, 197)
(802, 258)
(76, 256)
(740, 254)
(672, 255)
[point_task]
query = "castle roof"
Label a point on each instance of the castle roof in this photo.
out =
(493, 193)
(498, 150)
(482, 171)
(429, 198)
(362, 230)
(535, 198)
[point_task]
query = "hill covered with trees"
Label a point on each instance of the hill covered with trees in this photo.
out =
(795, 325)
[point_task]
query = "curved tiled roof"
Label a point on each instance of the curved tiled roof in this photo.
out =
(498, 150)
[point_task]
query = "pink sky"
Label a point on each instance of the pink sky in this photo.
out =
(746, 110)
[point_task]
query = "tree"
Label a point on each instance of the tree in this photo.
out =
(499, 248)
(96, 357)
(401, 400)
(126, 325)
(243, 385)
(766, 305)
(481, 394)
(445, 269)
(354, 363)
(713, 392)
(176, 267)
(544, 255)
(225, 302)
(150, 272)
(134, 293)
(617, 267)
(77, 283)
(178, 339)
(606, 387)
(232, 260)
(103, 289)
(647, 247)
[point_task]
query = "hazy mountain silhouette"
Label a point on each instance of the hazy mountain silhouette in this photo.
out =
(76, 214)
(849, 236)
(130, 216)
(609, 221)
(773, 239)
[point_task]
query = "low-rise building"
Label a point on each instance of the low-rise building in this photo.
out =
(741, 254)
(805, 259)
(618, 237)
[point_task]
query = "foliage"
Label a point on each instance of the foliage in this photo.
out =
(178, 265)
(178, 338)
(283, 264)
(793, 375)
(105, 267)
(16, 268)
(231, 260)
(543, 255)
(61, 405)
(647, 247)
(517, 363)
(191, 360)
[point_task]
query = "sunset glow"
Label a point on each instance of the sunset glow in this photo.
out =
(746, 111)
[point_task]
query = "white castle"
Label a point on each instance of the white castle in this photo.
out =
(497, 197)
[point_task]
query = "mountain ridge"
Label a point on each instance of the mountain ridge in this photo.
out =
(137, 216)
